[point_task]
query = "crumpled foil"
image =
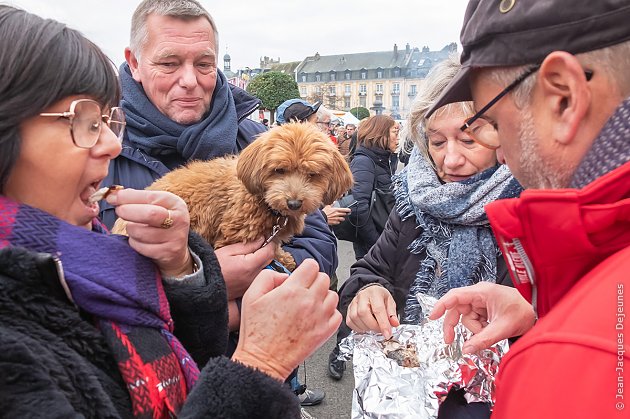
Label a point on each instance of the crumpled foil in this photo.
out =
(384, 389)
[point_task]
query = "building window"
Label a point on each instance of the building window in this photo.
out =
(346, 103)
(332, 90)
(318, 90)
(331, 103)
(362, 88)
(303, 78)
(395, 102)
(362, 101)
(413, 90)
(379, 73)
(347, 89)
(318, 77)
(379, 88)
(348, 75)
(333, 76)
(363, 75)
(302, 91)
(396, 89)
(397, 72)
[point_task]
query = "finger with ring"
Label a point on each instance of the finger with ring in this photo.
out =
(168, 221)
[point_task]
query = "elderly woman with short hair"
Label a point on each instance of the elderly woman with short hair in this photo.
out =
(438, 237)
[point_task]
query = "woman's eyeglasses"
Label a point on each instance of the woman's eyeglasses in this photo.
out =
(86, 120)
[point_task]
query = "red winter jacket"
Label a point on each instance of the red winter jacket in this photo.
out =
(574, 246)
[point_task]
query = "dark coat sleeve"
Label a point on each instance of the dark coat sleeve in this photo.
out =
(363, 172)
(382, 264)
(227, 389)
(316, 242)
(200, 313)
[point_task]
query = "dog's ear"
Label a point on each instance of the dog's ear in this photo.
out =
(341, 179)
(250, 166)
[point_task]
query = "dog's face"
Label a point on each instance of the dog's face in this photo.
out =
(295, 168)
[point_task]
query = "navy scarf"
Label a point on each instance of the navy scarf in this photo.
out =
(157, 135)
(123, 292)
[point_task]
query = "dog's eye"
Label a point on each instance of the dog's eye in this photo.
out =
(280, 171)
(312, 174)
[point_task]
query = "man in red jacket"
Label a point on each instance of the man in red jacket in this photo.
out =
(551, 83)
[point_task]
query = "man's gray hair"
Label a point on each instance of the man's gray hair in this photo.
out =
(613, 60)
(323, 112)
(435, 82)
(181, 9)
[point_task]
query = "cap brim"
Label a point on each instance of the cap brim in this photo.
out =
(458, 90)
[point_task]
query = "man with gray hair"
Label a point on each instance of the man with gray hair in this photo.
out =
(180, 107)
(551, 84)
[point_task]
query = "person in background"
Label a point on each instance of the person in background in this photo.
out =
(343, 141)
(265, 122)
(93, 324)
(373, 166)
(351, 133)
(438, 237)
(324, 121)
(559, 110)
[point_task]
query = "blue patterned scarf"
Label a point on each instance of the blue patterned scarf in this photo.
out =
(123, 292)
(157, 135)
(456, 236)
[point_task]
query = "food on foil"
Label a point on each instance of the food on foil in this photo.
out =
(103, 192)
(383, 388)
(404, 354)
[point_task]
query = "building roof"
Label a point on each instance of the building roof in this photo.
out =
(287, 68)
(397, 57)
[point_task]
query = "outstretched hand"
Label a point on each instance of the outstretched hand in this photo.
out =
(284, 319)
(373, 309)
(492, 312)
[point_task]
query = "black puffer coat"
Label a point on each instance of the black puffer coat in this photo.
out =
(371, 168)
(55, 363)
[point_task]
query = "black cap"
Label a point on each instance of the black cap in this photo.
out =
(518, 32)
(295, 110)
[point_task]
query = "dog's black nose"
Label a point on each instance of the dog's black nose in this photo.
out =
(294, 204)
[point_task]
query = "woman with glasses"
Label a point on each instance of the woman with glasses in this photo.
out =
(98, 325)
(438, 237)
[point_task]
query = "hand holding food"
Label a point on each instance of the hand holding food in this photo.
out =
(157, 224)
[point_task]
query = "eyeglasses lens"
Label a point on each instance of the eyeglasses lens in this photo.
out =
(86, 123)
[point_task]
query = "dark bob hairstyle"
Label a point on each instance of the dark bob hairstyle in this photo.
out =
(42, 62)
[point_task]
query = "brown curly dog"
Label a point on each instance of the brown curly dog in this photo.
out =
(288, 172)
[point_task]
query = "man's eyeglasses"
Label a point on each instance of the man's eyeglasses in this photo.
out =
(86, 120)
(484, 133)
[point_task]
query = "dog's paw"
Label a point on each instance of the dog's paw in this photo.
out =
(286, 259)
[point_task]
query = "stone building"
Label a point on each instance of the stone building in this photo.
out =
(385, 82)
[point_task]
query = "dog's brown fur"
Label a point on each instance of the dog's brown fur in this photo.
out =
(231, 199)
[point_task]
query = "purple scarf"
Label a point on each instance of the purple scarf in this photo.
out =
(123, 291)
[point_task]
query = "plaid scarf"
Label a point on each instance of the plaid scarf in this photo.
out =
(456, 236)
(123, 292)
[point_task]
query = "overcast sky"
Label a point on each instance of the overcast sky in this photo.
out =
(288, 29)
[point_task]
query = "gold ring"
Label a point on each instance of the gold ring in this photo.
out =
(168, 221)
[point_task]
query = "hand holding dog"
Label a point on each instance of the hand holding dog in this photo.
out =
(145, 213)
(284, 319)
(241, 263)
